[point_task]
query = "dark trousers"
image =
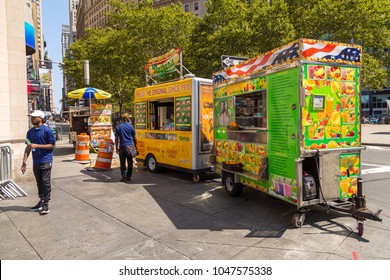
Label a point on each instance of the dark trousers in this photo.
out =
(123, 157)
(42, 174)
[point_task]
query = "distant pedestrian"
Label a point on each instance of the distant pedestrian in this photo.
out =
(125, 144)
(41, 141)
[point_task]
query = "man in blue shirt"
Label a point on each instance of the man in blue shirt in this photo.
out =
(124, 142)
(41, 141)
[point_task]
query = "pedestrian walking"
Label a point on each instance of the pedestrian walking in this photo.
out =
(40, 141)
(125, 144)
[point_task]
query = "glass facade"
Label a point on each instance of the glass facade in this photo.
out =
(375, 103)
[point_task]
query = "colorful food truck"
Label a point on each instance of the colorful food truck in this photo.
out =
(174, 125)
(288, 123)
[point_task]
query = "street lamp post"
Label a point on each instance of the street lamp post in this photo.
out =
(86, 78)
(86, 72)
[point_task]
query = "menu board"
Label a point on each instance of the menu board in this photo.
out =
(101, 114)
(335, 125)
(283, 138)
(99, 134)
(284, 111)
(349, 173)
(100, 123)
(183, 113)
(140, 115)
(252, 155)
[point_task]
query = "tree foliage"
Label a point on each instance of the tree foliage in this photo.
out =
(117, 54)
(238, 28)
(362, 22)
(137, 32)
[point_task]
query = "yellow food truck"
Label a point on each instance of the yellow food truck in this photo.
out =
(287, 123)
(174, 125)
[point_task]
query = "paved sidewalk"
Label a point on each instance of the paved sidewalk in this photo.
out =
(167, 216)
(376, 134)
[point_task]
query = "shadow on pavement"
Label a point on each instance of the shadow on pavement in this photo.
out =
(15, 208)
(206, 206)
(62, 150)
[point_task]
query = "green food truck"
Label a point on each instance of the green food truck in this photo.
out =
(288, 123)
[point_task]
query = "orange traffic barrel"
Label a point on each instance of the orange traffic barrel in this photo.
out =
(104, 156)
(82, 147)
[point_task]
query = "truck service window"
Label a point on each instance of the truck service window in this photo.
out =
(251, 110)
(161, 114)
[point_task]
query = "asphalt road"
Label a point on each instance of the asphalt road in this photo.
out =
(376, 177)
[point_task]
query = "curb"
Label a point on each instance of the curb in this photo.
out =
(376, 144)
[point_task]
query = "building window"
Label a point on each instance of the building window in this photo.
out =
(187, 8)
(196, 6)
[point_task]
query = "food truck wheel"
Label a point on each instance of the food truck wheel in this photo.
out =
(298, 219)
(151, 164)
(360, 227)
(196, 178)
(231, 187)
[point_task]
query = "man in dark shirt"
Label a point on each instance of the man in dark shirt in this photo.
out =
(41, 141)
(125, 137)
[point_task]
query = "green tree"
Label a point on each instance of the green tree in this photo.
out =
(108, 64)
(238, 28)
(223, 31)
(117, 54)
(245, 28)
(362, 22)
(271, 25)
(154, 31)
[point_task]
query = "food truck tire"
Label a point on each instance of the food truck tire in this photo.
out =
(298, 219)
(151, 163)
(231, 187)
(196, 178)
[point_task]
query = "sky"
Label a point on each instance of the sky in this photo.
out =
(55, 13)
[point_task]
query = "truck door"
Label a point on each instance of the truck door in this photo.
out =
(206, 113)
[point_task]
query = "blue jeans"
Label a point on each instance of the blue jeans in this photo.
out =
(42, 173)
(123, 157)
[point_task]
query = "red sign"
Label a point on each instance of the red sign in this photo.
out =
(33, 86)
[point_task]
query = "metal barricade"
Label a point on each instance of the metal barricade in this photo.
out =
(8, 188)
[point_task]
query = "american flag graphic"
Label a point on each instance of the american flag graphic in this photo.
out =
(329, 51)
(274, 57)
(305, 49)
